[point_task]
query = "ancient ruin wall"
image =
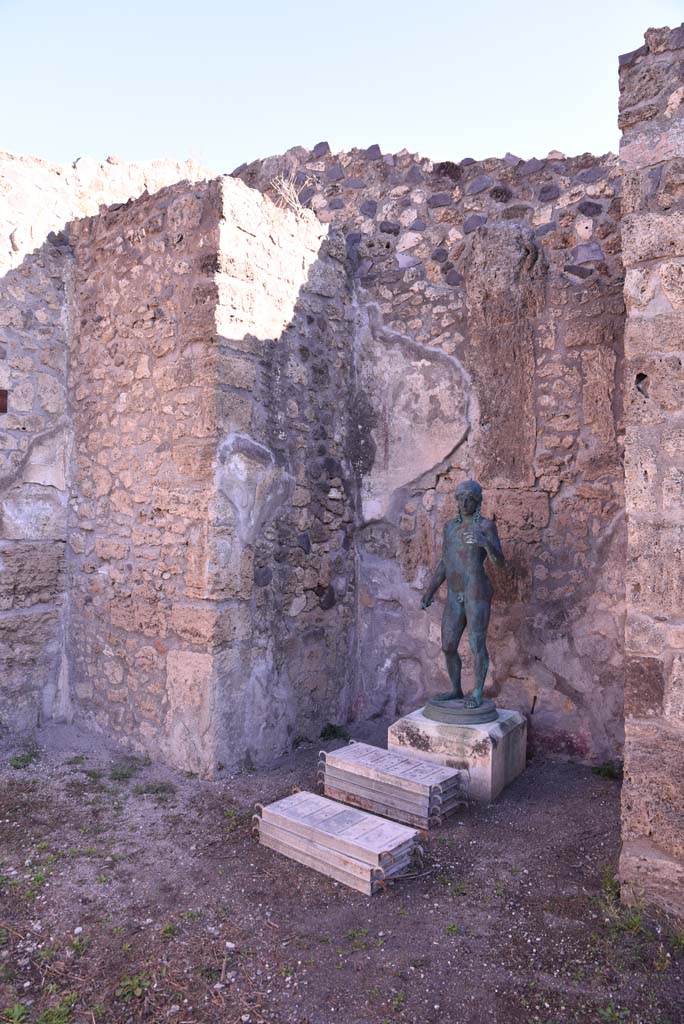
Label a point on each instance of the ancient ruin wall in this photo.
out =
(142, 380)
(37, 200)
(285, 502)
(211, 592)
(488, 342)
(652, 162)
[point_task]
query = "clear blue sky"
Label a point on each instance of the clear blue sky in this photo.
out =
(227, 82)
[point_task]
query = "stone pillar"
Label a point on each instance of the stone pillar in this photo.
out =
(211, 568)
(652, 159)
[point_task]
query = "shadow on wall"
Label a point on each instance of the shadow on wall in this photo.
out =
(35, 438)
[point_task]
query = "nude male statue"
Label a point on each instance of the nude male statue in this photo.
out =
(468, 540)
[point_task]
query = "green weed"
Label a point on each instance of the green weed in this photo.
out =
(612, 1015)
(16, 1014)
(24, 760)
(133, 987)
(60, 1014)
(609, 770)
(334, 732)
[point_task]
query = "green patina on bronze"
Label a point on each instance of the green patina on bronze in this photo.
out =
(468, 540)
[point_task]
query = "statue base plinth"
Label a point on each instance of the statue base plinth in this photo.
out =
(455, 711)
(491, 754)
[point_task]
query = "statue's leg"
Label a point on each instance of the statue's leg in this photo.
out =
(478, 621)
(453, 624)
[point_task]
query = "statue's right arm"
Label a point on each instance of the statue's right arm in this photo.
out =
(435, 583)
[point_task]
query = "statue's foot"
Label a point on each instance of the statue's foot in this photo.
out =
(450, 695)
(474, 700)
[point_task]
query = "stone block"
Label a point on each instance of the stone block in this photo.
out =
(188, 736)
(195, 622)
(30, 573)
(649, 875)
(673, 699)
(652, 236)
(644, 686)
(491, 755)
(655, 567)
(653, 788)
(654, 388)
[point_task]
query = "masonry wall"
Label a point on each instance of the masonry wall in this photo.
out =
(487, 343)
(37, 200)
(211, 592)
(652, 162)
(286, 493)
(142, 379)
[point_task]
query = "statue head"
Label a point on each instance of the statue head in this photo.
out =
(468, 499)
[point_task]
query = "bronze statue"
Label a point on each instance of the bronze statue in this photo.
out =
(468, 540)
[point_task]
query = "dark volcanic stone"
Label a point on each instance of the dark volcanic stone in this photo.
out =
(369, 207)
(516, 212)
(467, 161)
(454, 278)
(418, 225)
(449, 169)
(414, 175)
(354, 183)
(625, 59)
(479, 184)
(263, 576)
(532, 166)
(304, 542)
(587, 252)
(390, 227)
(354, 238)
(440, 255)
(327, 599)
(582, 272)
(320, 149)
(591, 175)
(334, 173)
(548, 192)
(545, 228)
(473, 222)
(439, 199)
(501, 193)
(306, 195)
(373, 153)
(336, 203)
(589, 208)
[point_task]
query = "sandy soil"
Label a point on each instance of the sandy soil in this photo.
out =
(133, 893)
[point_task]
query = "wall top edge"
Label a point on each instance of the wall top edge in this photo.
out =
(658, 40)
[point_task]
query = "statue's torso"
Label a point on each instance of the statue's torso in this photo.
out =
(464, 563)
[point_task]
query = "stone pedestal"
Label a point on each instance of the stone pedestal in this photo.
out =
(492, 753)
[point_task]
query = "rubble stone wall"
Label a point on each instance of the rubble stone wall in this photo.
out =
(285, 490)
(652, 162)
(37, 201)
(488, 343)
(210, 578)
(142, 380)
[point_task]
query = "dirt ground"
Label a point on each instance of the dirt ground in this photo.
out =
(134, 893)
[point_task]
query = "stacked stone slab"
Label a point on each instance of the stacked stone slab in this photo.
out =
(652, 161)
(391, 784)
(348, 845)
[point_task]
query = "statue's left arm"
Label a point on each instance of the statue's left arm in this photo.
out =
(492, 545)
